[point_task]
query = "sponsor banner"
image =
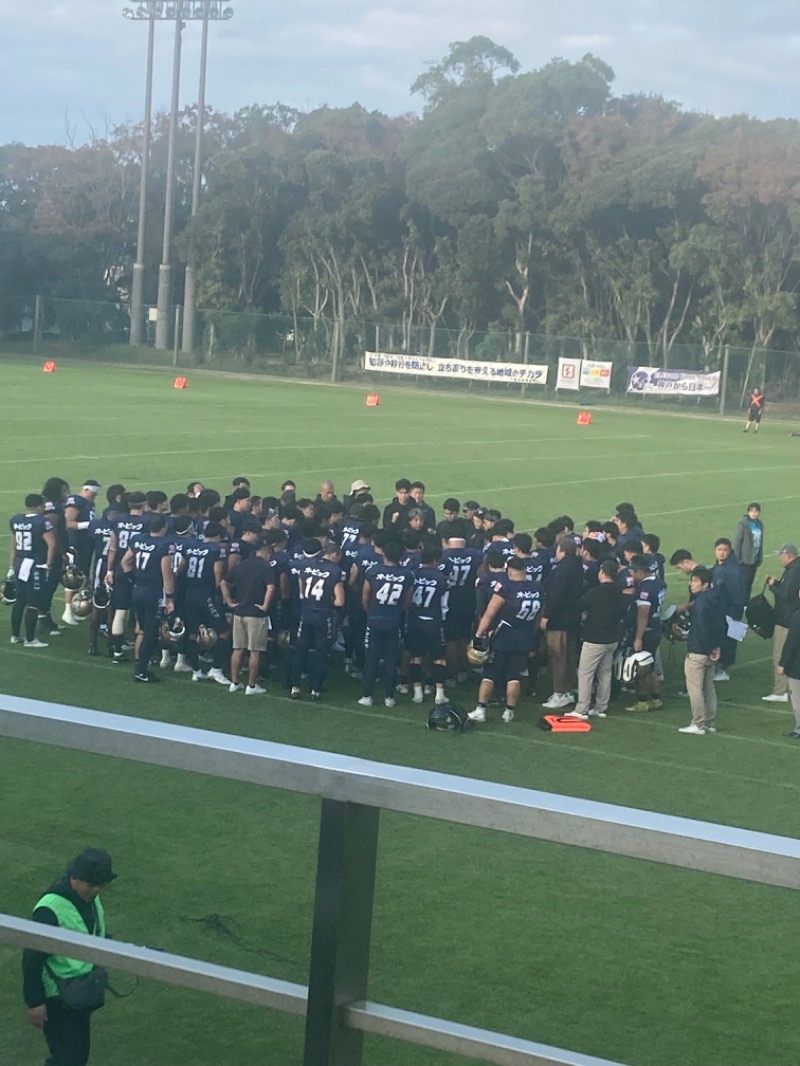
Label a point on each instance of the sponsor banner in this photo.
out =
(569, 374)
(653, 381)
(463, 369)
(595, 375)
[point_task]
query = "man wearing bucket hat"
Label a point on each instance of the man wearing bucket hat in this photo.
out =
(54, 986)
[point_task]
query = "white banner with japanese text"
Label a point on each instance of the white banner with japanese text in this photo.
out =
(462, 369)
(653, 381)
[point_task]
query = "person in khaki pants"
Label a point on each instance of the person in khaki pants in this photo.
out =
(703, 652)
(786, 591)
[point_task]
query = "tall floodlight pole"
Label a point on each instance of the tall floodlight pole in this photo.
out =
(165, 269)
(212, 9)
(137, 331)
(177, 11)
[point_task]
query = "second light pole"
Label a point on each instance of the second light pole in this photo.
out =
(165, 269)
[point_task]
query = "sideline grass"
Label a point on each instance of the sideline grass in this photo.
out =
(618, 958)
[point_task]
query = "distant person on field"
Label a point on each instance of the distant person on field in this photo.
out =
(755, 410)
(748, 544)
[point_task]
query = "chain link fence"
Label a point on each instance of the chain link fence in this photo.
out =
(308, 348)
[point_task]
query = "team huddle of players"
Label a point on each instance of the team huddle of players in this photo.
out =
(271, 585)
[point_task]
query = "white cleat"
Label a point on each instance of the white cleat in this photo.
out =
(478, 715)
(508, 715)
(694, 729)
(389, 702)
(36, 644)
(365, 701)
(254, 690)
(215, 674)
(235, 688)
(198, 675)
(578, 714)
(775, 698)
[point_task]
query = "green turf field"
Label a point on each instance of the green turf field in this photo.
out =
(618, 958)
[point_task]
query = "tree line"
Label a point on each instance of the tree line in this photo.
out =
(518, 201)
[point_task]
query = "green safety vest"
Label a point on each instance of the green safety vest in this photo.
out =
(68, 917)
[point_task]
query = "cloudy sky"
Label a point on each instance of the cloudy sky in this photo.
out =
(80, 64)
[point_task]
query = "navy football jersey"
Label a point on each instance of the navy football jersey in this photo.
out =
(243, 548)
(280, 566)
(349, 532)
(101, 530)
(431, 592)
(147, 555)
(200, 557)
(177, 543)
(650, 593)
(411, 560)
(516, 622)
(542, 565)
(389, 585)
(317, 580)
(461, 566)
(366, 561)
(127, 526)
(502, 545)
(28, 532)
(84, 507)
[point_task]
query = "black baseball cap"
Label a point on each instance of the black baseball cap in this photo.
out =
(92, 865)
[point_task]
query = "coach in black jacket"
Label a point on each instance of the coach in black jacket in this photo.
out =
(786, 591)
(602, 608)
(562, 622)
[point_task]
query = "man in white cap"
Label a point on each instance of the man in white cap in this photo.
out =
(358, 488)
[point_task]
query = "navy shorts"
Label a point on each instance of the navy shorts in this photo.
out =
(424, 637)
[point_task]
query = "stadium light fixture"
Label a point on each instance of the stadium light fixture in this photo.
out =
(186, 10)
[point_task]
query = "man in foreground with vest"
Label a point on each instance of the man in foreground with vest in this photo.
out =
(71, 903)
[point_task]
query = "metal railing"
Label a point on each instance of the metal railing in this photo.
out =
(353, 792)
